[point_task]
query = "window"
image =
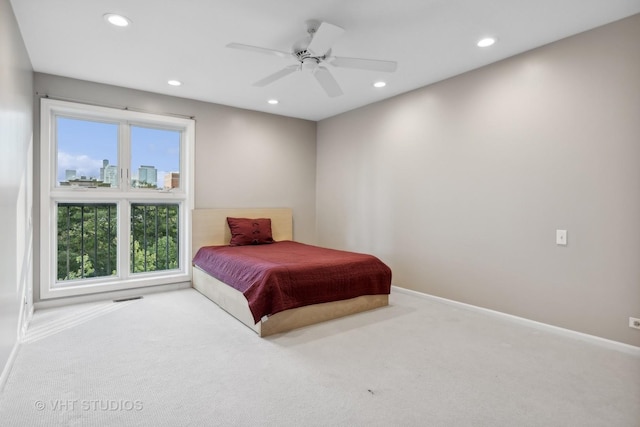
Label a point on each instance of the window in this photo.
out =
(116, 192)
(87, 244)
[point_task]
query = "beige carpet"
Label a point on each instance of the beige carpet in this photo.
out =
(176, 359)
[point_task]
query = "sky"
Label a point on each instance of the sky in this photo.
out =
(83, 144)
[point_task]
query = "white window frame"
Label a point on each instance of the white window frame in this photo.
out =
(124, 195)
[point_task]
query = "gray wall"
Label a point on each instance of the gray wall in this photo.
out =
(243, 158)
(461, 185)
(16, 83)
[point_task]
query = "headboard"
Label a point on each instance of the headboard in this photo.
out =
(210, 225)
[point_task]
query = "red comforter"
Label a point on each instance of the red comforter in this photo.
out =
(287, 274)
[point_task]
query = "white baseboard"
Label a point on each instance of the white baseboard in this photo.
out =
(7, 367)
(125, 293)
(22, 328)
(602, 342)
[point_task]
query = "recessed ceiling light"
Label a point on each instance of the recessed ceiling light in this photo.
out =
(175, 82)
(273, 101)
(117, 20)
(486, 42)
(379, 84)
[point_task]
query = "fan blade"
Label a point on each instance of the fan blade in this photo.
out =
(363, 64)
(259, 49)
(324, 37)
(328, 83)
(276, 76)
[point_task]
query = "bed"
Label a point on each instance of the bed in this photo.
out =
(210, 228)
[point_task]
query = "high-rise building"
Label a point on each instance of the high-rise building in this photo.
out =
(105, 163)
(147, 176)
(110, 175)
(69, 174)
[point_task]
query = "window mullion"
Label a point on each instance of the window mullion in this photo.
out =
(124, 230)
(124, 152)
(124, 237)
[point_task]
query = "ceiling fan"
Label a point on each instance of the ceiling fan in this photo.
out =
(312, 53)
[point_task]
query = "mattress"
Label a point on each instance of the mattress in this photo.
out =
(286, 274)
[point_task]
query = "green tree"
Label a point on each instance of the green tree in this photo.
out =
(85, 270)
(88, 246)
(142, 260)
(154, 227)
(86, 233)
(167, 253)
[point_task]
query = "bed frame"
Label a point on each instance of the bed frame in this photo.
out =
(210, 228)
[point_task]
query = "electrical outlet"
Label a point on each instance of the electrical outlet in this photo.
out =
(634, 323)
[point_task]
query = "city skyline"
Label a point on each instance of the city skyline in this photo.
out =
(159, 148)
(108, 175)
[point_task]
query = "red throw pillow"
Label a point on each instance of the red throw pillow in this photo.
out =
(249, 231)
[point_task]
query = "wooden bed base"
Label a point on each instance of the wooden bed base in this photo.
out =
(233, 302)
(209, 228)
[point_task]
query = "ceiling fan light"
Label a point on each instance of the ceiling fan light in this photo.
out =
(117, 20)
(309, 64)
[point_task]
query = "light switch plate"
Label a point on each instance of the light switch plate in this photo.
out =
(561, 237)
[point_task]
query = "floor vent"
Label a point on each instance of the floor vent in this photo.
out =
(127, 299)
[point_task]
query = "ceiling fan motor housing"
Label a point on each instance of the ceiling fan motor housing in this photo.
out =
(307, 60)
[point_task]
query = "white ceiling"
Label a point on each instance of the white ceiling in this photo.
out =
(430, 39)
